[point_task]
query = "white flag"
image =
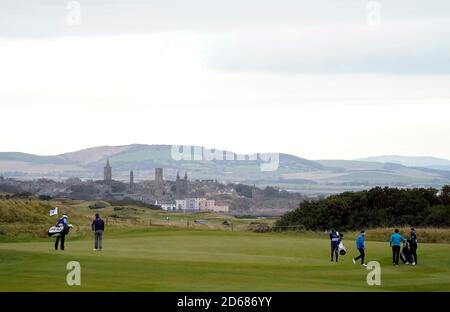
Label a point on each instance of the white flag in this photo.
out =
(54, 211)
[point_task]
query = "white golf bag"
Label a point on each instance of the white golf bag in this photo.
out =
(341, 249)
(56, 231)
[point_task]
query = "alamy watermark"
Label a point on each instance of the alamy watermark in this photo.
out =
(73, 16)
(373, 17)
(267, 161)
(73, 278)
(374, 276)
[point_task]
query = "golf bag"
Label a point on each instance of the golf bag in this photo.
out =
(57, 230)
(405, 254)
(341, 249)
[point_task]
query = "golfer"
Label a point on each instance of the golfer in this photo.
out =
(395, 242)
(98, 226)
(361, 248)
(63, 221)
(413, 245)
(335, 239)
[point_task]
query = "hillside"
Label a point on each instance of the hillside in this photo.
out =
(426, 162)
(292, 173)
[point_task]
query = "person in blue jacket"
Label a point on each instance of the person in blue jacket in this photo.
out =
(62, 221)
(361, 248)
(335, 239)
(395, 242)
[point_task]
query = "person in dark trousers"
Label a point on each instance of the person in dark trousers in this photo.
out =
(98, 226)
(361, 248)
(335, 239)
(395, 242)
(413, 245)
(63, 221)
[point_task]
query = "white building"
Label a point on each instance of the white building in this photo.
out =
(210, 204)
(169, 207)
(191, 204)
(200, 204)
(180, 204)
(220, 208)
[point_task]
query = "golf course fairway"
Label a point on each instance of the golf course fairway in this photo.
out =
(170, 259)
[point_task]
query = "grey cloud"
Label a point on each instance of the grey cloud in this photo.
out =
(260, 35)
(410, 47)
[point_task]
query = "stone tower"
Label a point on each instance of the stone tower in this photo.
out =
(178, 187)
(159, 181)
(131, 179)
(185, 183)
(107, 172)
(181, 187)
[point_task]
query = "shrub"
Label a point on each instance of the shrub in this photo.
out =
(258, 227)
(98, 205)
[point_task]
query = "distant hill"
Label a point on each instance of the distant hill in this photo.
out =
(293, 172)
(411, 161)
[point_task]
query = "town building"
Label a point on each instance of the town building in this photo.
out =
(200, 204)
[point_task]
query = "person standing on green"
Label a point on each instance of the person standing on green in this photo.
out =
(395, 242)
(98, 226)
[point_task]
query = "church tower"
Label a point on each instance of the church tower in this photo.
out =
(185, 184)
(107, 173)
(178, 187)
(131, 179)
(181, 187)
(159, 180)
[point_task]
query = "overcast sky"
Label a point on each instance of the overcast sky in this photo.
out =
(319, 78)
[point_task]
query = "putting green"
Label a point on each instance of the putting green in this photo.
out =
(167, 259)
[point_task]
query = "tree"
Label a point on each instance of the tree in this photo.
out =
(373, 208)
(445, 195)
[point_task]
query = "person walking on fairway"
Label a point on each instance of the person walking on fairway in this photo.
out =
(63, 221)
(395, 242)
(335, 239)
(361, 248)
(413, 245)
(98, 226)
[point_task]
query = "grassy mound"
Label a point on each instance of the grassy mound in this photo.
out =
(22, 218)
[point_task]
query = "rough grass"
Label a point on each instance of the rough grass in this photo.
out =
(22, 218)
(425, 235)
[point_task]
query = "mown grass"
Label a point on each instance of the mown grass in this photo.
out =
(174, 259)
